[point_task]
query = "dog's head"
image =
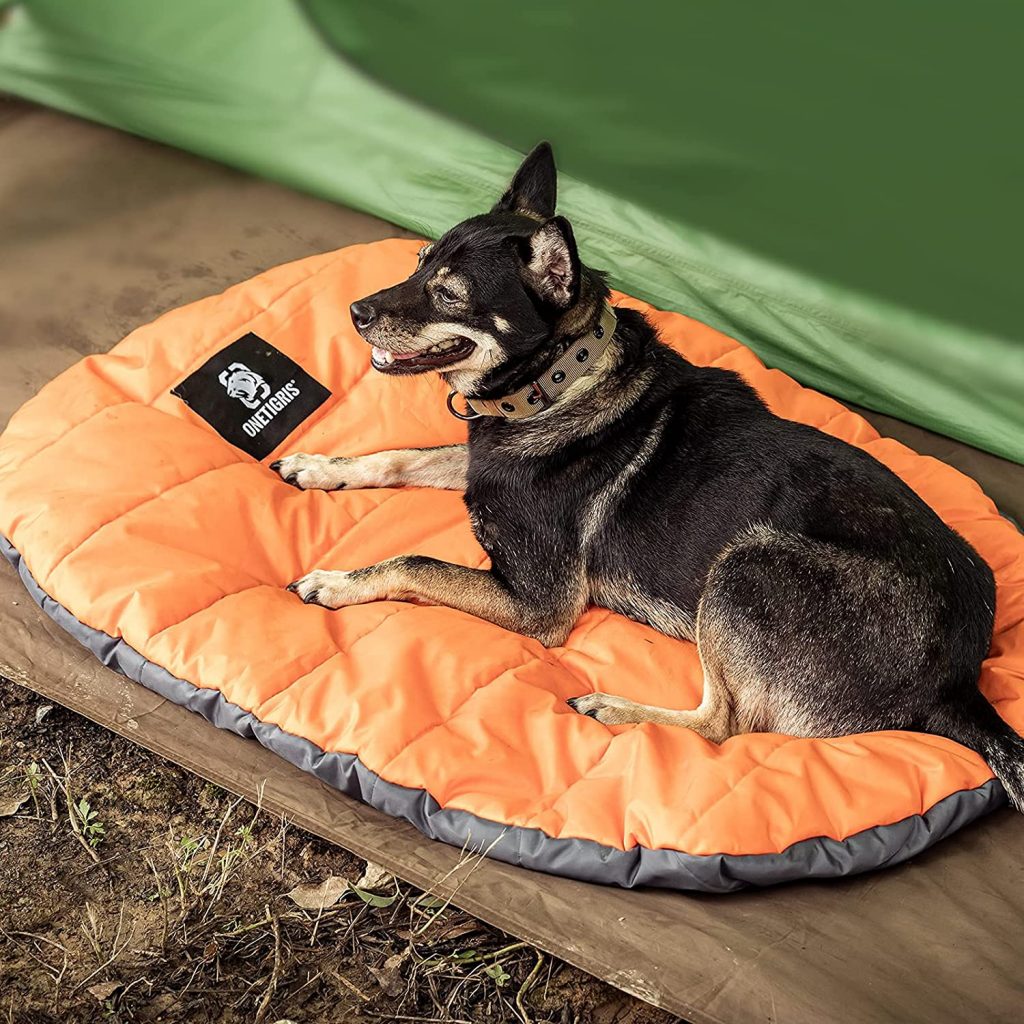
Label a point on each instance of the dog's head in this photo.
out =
(486, 299)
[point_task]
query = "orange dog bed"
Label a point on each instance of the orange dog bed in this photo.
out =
(137, 503)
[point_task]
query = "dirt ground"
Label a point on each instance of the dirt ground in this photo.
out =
(131, 890)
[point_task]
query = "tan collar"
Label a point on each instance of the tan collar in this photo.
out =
(579, 358)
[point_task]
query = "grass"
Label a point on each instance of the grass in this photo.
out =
(132, 891)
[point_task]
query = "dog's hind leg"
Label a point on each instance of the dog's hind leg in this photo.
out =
(712, 719)
(733, 651)
(444, 468)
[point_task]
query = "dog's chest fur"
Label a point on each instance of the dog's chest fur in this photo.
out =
(562, 520)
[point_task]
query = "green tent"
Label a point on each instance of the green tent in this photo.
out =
(838, 187)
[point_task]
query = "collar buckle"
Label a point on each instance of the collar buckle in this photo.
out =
(538, 394)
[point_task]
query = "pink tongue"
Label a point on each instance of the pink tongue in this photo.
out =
(381, 355)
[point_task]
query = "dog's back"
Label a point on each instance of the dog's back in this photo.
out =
(827, 597)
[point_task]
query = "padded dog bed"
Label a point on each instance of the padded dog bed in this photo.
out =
(137, 503)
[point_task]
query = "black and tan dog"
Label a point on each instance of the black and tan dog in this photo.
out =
(824, 596)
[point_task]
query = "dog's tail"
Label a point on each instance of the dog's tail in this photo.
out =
(977, 725)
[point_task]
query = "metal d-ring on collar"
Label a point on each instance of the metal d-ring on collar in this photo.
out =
(575, 362)
(460, 415)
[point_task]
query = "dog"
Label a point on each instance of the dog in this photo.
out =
(824, 597)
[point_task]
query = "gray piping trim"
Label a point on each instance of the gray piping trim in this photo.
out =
(821, 857)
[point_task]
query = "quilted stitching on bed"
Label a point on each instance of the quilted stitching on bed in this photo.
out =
(498, 692)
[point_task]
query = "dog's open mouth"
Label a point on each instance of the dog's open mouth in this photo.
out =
(444, 353)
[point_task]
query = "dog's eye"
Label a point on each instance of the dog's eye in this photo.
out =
(446, 295)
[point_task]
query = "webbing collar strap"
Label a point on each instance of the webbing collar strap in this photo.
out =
(577, 360)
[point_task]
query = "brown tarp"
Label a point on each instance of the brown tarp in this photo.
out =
(100, 232)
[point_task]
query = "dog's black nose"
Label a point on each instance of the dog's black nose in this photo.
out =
(363, 314)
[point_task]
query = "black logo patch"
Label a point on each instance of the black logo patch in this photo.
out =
(253, 395)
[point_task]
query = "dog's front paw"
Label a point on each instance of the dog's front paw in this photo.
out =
(334, 589)
(608, 710)
(313, 472)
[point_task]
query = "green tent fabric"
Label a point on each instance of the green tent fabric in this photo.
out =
(838, 188)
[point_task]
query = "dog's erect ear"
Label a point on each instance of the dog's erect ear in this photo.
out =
(533, 188)
(551, 263)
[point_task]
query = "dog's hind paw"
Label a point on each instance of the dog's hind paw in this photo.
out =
(334, 589)
(605, 708)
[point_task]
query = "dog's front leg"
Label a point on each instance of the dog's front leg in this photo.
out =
(443, 467)
(546, 616)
